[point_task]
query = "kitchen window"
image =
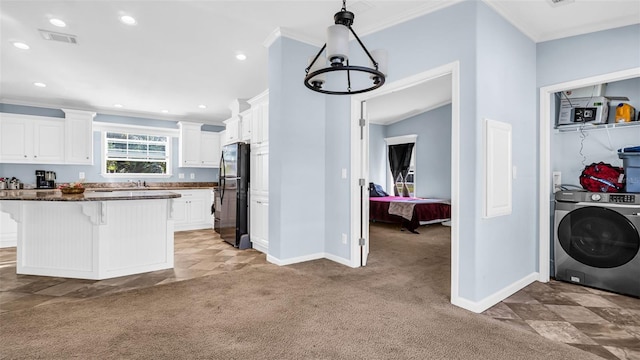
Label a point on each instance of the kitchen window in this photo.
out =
(136, 153)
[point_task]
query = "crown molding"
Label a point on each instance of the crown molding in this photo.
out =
(288, 33)
(427, 8)
(104, 111)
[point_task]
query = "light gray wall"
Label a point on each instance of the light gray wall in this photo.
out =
(297, 148)
(432, 150)
(564, 60)
(598, 145)
(411, 55)
(506, 245)
(69, 173)
(337, 150)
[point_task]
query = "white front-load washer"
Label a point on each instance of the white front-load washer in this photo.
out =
(597, 240)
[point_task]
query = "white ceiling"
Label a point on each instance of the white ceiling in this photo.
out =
(181, 53)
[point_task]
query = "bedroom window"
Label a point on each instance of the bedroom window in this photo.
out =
(401, 150)
(138, 154)
(410, 178)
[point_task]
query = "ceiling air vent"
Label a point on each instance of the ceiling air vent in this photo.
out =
(556, 3)
(56, 36)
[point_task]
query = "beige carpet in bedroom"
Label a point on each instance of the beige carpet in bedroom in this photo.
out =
(395, 308)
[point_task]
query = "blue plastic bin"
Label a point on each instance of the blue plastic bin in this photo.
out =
(631, 165)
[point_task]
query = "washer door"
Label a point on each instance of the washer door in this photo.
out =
(598, 237)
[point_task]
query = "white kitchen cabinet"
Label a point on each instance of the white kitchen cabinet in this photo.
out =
(79, 137)
(31, 139)
(192, 211)
(260, 118)
(259, 227)
(232, 130)
(210, 149)
(198, 148)
(260, 170)
(245, 124)
(259, 162)
(189, 144)
(8, 231)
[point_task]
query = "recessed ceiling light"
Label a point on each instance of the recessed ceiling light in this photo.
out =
(58, 22)
(241, 57)
(39, 84)
(129, 20)
(117, 105)
(165, 111)
(21, 45)
(202, 106)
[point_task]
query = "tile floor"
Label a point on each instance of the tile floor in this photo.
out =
(197, 253)
(599, 322)
(603, 323)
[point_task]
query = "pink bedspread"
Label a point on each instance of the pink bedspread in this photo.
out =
(423, 210)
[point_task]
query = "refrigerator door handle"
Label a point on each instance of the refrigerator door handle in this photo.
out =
(222, 178)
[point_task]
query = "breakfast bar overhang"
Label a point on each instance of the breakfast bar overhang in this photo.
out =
(95, 235)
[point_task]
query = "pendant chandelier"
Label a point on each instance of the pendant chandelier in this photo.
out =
(332, 73)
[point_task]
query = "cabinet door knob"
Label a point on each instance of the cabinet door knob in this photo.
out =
(25, 156)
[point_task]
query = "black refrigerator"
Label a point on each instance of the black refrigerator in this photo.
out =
(232, 198)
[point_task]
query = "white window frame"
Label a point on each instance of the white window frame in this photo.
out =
(143, 130)
(404, 139)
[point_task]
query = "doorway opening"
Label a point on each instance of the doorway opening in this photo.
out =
(360, 165)
(547, 115)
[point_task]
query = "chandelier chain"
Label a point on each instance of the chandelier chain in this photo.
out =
(344, 5)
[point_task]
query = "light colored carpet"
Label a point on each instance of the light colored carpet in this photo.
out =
(395, 308)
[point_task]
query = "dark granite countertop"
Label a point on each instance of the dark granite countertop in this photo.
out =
(88, 195)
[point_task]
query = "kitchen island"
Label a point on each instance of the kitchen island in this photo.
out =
(94, 235)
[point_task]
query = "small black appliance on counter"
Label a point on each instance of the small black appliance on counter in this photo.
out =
(45, 179)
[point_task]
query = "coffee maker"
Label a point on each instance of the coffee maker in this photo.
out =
(45, 179)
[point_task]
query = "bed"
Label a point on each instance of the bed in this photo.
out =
(409, 212)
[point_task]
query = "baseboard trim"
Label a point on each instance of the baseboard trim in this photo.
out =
(489, 301)
(8, 243)
(299, 259)
(294, 260)
(340, 260)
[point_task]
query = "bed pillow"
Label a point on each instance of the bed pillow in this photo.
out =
(376, 190)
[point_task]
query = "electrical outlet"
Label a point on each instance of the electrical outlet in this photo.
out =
(557, 181)
(81, 175)
(344, 173)
(180, 176)
(192, 176)
(344, 239)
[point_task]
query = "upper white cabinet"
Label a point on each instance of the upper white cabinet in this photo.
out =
(210, 149)
(260, 118)
(245, 125)
(232, 130)
(79, 137)
(198, 148)
(32, 139)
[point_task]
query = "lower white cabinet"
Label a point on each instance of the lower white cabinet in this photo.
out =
(259, 228)
(192, 211)
(8, 231)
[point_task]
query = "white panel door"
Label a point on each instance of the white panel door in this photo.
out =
(79, 141)
(498, 168)
(16, 139)
(210, 149)
(48, 142)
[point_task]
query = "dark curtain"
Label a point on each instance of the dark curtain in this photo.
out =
(399, 161)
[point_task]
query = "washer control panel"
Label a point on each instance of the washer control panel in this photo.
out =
(622, 198)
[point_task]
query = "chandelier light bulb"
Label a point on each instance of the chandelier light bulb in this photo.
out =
(337, 44)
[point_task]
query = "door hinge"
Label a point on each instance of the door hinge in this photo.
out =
(361, 182)
(361, 241)
(362, 122)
